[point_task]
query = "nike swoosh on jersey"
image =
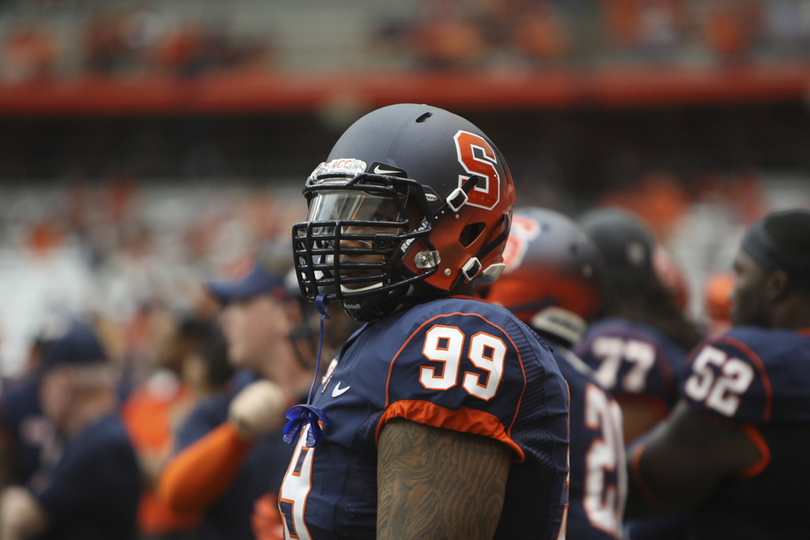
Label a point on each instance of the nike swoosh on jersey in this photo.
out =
(338, 391)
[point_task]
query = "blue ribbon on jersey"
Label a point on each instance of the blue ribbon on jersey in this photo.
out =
(302, 415)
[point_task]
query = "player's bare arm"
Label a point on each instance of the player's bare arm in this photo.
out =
(434, 483)
(684, 460)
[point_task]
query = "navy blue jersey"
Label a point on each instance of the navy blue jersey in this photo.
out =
(454, 363)
(759, 380)
(31, 433)
(633, 359)
(93, 491)
(598, 482)
(229, 518)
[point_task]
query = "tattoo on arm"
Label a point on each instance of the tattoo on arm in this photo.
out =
(436, 483)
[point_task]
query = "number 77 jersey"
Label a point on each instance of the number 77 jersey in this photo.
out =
(758, 380)
(457, 364)
(633, 359)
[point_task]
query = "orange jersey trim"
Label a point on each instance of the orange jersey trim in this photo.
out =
(804, 331)
(463, 420)
(766, 382)
(759, 441)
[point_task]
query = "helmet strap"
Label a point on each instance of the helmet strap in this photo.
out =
(465, 276)
(457, 198)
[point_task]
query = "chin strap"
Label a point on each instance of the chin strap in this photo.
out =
(301, 415)
(457, 198)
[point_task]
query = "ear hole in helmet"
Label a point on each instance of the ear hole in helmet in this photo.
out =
(471, 233)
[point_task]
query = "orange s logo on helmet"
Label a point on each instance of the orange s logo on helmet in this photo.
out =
(523, 231)
(481, 163)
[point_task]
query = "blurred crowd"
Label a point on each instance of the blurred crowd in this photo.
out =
(122, 251)
(548, 33)
(432, 34)
(140, 40)
(128, 41)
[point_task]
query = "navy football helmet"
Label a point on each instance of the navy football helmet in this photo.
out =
(554, 274)
(625, 242)
(412, 202)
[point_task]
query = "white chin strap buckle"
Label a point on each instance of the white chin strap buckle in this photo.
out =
(457, 199)
(471, 268)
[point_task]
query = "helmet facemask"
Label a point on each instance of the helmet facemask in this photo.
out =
(352, 245)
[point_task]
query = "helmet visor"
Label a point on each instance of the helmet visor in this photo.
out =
(342, 205)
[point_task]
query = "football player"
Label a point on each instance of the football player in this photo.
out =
(93, 489)
(734, 450)
(638, 345)
(230, 455)
(443, 416)
(553, 282)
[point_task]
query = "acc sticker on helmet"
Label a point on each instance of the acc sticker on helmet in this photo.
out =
(341, 166)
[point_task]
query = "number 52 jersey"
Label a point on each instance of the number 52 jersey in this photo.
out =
(454, 363)
(758, 380)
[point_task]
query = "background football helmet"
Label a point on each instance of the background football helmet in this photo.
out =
(626, 244)
(412, 202)
(554, 274)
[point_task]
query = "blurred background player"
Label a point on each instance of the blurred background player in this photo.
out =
(191, 364)
(639, 340)
(641, 336)
(28, 442)
(230, 455)
(553, 283)
(734, 450)
(93, 490)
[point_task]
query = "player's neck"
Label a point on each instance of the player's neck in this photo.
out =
(792, 314)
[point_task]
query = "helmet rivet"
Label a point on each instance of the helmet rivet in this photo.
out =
(447, 271)
(457, 216)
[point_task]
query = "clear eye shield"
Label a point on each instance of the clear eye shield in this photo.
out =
(353, 205)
